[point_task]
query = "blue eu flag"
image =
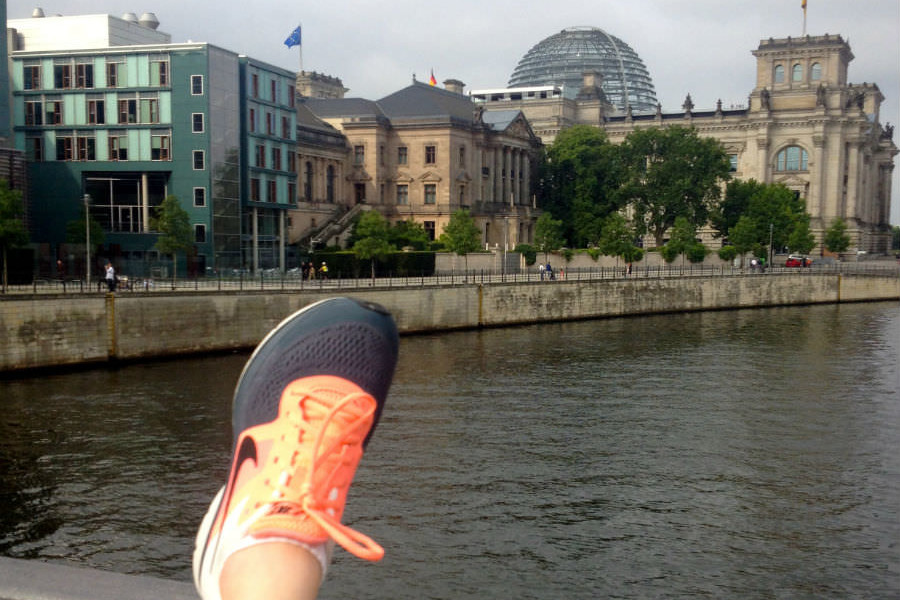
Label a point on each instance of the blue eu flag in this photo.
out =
(293, 39)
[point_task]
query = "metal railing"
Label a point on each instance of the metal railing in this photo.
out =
(273, 281)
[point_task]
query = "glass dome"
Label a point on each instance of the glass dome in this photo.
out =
(561, 59)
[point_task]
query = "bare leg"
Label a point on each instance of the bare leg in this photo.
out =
(273, 571)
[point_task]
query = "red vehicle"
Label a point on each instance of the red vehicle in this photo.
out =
(797, 261)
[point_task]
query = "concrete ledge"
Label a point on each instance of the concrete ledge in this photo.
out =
(37, 580)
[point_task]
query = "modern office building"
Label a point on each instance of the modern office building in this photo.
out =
(115, 117)
(806, 126)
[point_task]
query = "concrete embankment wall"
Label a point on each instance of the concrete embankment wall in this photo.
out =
(52, 330)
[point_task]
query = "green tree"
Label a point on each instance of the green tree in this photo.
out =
(13, 232)
(408, 234)
(372, 233)
(768, 212)
(461, 235)
(579, 182)
(836, 238)
(671, 173)
(682, 240)
(174, 226)
(895, 235)
(548, 234)
(617, 239)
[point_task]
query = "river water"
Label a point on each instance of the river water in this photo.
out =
(744, 454)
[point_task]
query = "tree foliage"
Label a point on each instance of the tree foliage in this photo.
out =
(753, 214)
(836, 238)
(671, 173)
(174, 226)
(617, 239)
(548, 234)
(13, 232)
(579, 182)
(372, 238)
(409, 234)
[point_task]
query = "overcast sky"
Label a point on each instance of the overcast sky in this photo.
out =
(701, 47)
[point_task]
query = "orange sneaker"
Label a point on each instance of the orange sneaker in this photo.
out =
(292, 468)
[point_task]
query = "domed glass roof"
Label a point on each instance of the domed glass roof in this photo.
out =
(562, 59)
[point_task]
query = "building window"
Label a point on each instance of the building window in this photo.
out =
(199, 197)
(197, 122)
(329, 184)
(254, 85)
(462, 195)
(779, 73)
(430, 155)
(32, 77)
(403, 194)
(96, 112)
(159, 72)
(402, 155)
(307, 181)
(199, 158)
(286, 127)
(159, 146)
(733, 162)
(112, 74)
(34, 112)
(128, 111)
(429, 229)
(815, 72)
(792, 158)
(273, 191)
(62, 76)
(359, 155)
(87, 148)
(273, 86)
(797, 73)
(254, 189)
(430, 193)
(64, 148)
(54, 112)
(292, 192)
(462, 157)
(84, 75)
(292, 101)
(292, 162)
(118, 147)
(149, 110)
(252, 120)
(199, 233)
(196, 85)
(276, 158)
(34, 148)
(260, 156)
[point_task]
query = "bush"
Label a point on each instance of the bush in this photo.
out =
(728, 253)
(697, 253)
(528, 251)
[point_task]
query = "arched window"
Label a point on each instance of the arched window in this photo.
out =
(792, 158)
(797, 73)
(815, 72)
(779, 73)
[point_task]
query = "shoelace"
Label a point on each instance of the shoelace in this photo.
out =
(353, 541)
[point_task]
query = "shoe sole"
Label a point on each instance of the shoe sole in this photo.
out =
(344, 337)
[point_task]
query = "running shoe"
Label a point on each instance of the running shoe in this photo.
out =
(296, 451)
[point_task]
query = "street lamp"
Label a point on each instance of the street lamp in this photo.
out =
(87, 240)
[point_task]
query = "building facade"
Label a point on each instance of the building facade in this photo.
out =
(806, 126)
(113, 118)
(420, 154)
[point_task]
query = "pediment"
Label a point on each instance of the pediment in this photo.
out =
(403, 178)
(430, 176)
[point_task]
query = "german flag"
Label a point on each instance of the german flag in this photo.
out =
(433, 81)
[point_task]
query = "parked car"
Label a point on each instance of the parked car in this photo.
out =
(797, 260)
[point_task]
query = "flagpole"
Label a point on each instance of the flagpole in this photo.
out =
(804, 18)
(300, 25)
